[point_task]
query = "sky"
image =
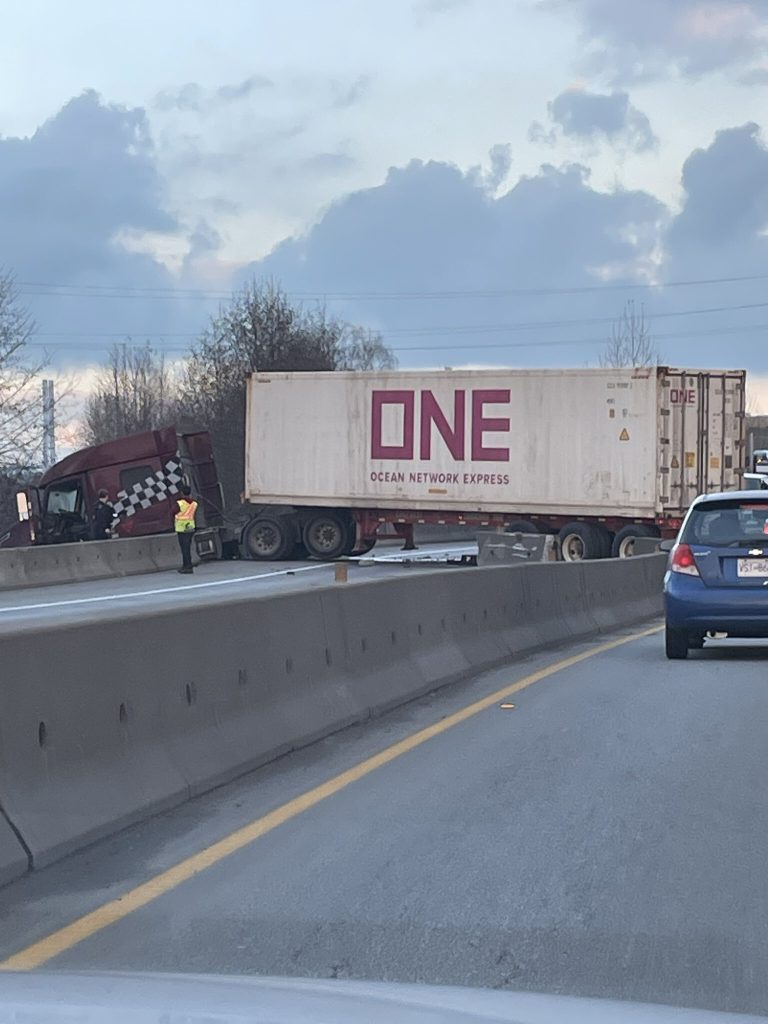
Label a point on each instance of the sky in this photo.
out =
(485, 182)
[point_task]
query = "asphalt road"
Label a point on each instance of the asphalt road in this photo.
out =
(605, 836)
(215, 581)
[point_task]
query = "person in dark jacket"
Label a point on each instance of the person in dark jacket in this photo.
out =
(103, 517)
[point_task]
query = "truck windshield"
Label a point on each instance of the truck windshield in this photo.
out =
(64, 497)
(727, 523)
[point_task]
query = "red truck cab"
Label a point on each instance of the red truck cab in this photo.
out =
(141, 473)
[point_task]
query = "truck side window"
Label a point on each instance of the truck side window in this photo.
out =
(64, 497)
(134, 475)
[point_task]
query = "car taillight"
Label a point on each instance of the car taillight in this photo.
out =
(683, 561)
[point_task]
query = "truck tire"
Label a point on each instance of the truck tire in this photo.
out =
(521, 526)
(268, 539)
(349, 547)
(580, 542)
(676, 644)
(624, 541)
(326, 535)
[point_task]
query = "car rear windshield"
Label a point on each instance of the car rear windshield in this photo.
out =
(728, 523)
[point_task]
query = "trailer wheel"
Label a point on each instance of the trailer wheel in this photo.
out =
(580, 542)
(326, 535)
(624, 542)
(521, 526)
(268, 539)
(349, 547)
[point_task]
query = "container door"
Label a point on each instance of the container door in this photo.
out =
(701, 418)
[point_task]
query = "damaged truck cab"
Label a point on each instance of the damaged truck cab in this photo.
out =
(141, 474)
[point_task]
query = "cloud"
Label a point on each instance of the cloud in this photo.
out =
(501, 164)
(586, 115)
(724, 216)
(85, 179)
(329, 163)
(434, 7)
(755, 76)
(185, 98)
(647, 39)
(241, 90)
(347, 94)
(452, 273)
(412, 255)
(192, 98)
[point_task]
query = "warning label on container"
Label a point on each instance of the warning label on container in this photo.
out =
(624, 435)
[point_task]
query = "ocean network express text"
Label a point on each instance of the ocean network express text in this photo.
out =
(462, 435)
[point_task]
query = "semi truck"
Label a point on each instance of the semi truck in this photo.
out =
(141, 474)
(599, 457)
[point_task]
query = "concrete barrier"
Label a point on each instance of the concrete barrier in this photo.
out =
(104, 724)
(62, 563)
(646, 545)
(496, 548)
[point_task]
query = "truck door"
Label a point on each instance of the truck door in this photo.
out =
(141, 497)
(64, 514)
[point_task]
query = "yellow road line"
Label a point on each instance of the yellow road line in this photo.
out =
(115, 910)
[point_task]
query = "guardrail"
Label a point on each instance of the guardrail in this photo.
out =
(91, 560)
(189, 699)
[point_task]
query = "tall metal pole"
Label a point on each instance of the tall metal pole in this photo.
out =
(49, 425)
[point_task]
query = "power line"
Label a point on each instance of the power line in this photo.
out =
(143, 292)
(447, 330)
(549, 343)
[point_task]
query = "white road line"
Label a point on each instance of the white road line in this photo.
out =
(163, 590)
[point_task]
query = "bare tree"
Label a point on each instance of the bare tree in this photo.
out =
(134, 391)
(630, 343)
(20, 396)
(262, 330)
(365, 350)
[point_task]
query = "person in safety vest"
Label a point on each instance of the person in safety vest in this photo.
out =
(184, 522)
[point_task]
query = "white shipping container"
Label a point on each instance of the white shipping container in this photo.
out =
(634, 443)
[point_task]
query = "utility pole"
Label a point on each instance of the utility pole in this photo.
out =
(49, 425)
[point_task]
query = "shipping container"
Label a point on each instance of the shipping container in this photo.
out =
(545, 448)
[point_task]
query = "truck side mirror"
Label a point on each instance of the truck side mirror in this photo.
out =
(22, 506)
(666, 545)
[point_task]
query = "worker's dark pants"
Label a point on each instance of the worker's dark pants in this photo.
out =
(185, 543)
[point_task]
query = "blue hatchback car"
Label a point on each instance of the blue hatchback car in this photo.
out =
(717, 580)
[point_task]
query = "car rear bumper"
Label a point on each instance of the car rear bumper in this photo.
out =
(692, 606)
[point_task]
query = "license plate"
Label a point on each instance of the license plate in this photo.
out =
(750, 568)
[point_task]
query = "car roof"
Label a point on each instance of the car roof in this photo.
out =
(756, 495)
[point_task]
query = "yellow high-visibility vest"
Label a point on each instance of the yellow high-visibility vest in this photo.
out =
(184, 520)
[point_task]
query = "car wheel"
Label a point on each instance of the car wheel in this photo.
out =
(695, 643)
(676, 644)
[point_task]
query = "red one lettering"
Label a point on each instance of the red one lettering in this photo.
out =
(406, 399)
(432, 413)
(481, 425)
